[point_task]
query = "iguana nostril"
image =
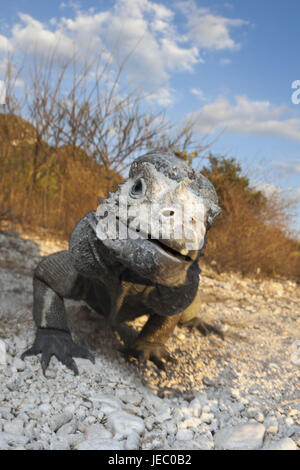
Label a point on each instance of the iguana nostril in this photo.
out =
(167, 212)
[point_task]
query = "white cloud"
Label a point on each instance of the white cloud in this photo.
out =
(146, 27)
(5, 44)
(199, 93)
(208, 30)
(32, 35)
(246, 117)
(143, 31)
(289, 167)
(163, 96)
(225, 61)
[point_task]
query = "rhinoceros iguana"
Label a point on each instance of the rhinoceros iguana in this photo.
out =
(125, 263)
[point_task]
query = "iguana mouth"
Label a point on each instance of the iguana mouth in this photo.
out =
(162, 246)
(170, 250)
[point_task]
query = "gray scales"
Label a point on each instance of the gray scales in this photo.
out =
(123, 279)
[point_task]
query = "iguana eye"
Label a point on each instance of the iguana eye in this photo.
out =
(138, 189)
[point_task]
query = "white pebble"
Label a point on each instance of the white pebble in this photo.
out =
(184, 435)
(97, 431)
(3, 358)
(132, 442)
(283, 444)
(14, 427)
(125, 423)
(60, 419)
(242, 437)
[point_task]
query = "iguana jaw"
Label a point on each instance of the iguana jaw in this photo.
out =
(182, 257)
(164, 247)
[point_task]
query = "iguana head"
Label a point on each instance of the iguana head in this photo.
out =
(162, 212)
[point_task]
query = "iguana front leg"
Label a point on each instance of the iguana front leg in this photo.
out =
(150, 344)
(55, 278)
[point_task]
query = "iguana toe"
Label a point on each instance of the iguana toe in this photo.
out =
(204, 328)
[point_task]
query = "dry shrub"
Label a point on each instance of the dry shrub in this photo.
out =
(67, 188)
(80, 183)
(252, 239)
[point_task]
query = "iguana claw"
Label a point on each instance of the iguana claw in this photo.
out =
(154, 352)
(52, 342)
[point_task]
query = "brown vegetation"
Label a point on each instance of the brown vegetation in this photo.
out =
(252, 234)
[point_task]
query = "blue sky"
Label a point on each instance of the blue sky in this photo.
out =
(229, 65)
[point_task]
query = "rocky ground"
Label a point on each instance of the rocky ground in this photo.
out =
(241, 393)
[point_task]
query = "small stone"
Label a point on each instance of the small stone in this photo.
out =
(70, 409)
(171, 427)
(289, 421)
(59, 420)
(196, 406)
(19, 364)
(81, 413)
(275, 288)
(97, 431)
(3, 358)
(153, 440)
(59, 445)
(283, 444)
(164, 416)
(45, 408)
(190, 423)
(242, 437)
(106, 403)
(5, 412)
(132, 442)
(14, 427)
(206, 418)
(294, 412)
(134, 410)
(50, 374)
(100, 444)
(13, 440)
(235, 393)
(134, 398)
(184, 445)
(256, 414)
(149, 423)
(89, 420)
(74, 439)
(271, 425)
(125, 423)
(204, 443)
(184, 435)
(66, 429)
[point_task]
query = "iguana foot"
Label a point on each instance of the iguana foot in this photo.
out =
(154, 352)
(52, 342)
(204, 328)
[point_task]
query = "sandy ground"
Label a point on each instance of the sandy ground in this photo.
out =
(252, 377)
